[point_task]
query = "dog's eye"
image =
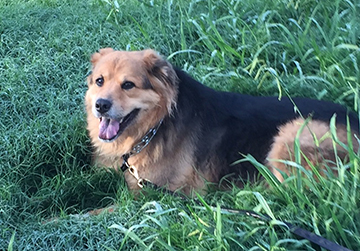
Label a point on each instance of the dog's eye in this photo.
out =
(128, 85)
(99, 81)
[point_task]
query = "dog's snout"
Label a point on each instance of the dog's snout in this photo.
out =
(102, 105)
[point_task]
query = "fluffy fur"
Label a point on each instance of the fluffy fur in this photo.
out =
(203, 131)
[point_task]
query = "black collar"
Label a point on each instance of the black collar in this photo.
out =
(140, 146)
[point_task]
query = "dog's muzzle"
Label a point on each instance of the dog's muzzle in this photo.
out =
(110, 128)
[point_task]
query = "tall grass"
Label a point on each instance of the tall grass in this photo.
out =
(297, 48)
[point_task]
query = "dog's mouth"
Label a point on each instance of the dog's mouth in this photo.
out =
(111, 129)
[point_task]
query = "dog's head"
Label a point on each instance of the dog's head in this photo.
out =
(128, 93)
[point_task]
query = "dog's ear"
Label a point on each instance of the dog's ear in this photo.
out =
(159, 67)
(94, 59)
(162, 77)
(97, 55)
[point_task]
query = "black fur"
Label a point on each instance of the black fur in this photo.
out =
(225, 125)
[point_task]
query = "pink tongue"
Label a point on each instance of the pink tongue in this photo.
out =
(108, 128)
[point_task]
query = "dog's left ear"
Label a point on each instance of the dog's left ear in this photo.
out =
(162, 77)
(159, 67)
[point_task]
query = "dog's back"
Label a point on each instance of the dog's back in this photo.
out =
(233, 125)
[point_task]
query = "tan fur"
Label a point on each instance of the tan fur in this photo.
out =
(170, 162)
(155, 103)
(316, 144)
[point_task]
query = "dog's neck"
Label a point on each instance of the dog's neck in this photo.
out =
(137, 148)
(146, 139)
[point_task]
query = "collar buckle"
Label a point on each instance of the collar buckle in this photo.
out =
(140, 182)
(137, 149)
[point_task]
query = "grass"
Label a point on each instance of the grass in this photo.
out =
(297, 48)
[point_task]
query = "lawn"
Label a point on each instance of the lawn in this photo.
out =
(281, 48)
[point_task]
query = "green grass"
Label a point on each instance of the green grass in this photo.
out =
(298, 48)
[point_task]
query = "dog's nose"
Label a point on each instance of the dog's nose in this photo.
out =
(102, 105)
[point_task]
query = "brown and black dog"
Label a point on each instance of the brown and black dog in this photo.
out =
(166, 127)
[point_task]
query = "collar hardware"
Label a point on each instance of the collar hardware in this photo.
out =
(137, 149)
(140, 182)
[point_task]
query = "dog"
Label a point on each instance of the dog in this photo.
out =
(156, 123)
